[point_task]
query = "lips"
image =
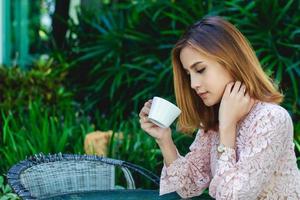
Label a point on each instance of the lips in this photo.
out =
(202, 94)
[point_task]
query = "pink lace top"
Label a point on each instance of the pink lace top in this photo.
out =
(263, 165)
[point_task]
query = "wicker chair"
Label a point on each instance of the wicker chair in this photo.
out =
(41, 176)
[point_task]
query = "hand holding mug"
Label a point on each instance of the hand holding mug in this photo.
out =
(152, 129)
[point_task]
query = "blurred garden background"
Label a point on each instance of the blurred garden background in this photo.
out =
(71, 67)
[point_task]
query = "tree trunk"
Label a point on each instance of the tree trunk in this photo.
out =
(59, 23)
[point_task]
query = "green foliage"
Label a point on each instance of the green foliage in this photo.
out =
(43, 81)
(297, 141)
(119, 58)
(41, 129)
(129, 142)
(121, 55)
(6, 192)
(52, 130)
(273, 29)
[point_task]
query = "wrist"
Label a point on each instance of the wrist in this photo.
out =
(165, 141)
(228, 136)
(229, 127)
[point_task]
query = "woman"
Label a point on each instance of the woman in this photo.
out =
(244, 145)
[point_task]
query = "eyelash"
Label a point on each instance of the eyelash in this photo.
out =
(198, 71)
(201, 71)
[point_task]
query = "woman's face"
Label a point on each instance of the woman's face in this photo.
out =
(208, 77)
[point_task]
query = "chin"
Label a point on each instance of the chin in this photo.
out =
(209, 103)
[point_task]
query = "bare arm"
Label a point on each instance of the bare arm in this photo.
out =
(168, 150)
(162, 136)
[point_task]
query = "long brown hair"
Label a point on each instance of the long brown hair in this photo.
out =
(218, 39)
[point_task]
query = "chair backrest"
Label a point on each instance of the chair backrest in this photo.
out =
(42, 176)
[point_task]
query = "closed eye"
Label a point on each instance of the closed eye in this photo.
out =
(201, 70)
(198, 71)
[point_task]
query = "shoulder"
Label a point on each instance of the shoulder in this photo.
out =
(265, 115)
(270, 111)
(202, 138)
(204, 134)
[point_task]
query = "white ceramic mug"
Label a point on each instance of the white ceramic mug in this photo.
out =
(162, 112)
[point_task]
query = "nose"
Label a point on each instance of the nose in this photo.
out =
(195, 82)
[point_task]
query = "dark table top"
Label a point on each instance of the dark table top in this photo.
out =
(122, 194)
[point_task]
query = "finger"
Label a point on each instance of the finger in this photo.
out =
(251, 103)
(141, 114)
(243, 90)
(148, 125)
(247, 95)
(146, 110)
(247, 100)
(228, 88)
(148, 105)
(236, 87)
(141, 122)
(144, 120)
(149, 101)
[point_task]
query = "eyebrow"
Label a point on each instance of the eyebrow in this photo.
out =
(194, 64)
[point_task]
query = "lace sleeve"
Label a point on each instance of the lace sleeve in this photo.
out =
(244, 179)
(190, 175)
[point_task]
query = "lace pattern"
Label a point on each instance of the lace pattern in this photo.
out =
(263, 166)
(189, 175)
